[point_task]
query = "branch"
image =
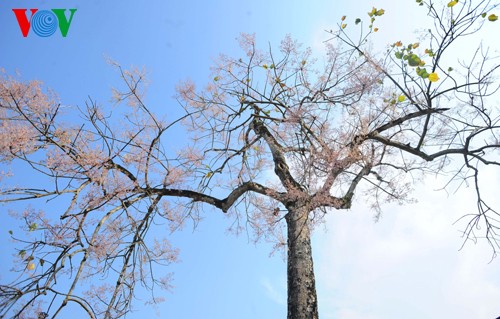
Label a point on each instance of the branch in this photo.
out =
(405, 118)
(223, 204)
(280, 166)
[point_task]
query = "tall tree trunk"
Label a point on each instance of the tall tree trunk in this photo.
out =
(302, 299)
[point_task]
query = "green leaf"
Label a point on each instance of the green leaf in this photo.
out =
(42, 262)
(33, 227)
(492, 17)
(413, 60)
(450, 69)
(22, 253)
(422, 73)
(358, 20)
(399, 55)
(484, 15)
(11, 232)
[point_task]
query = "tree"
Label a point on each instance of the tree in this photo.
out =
(278, 141)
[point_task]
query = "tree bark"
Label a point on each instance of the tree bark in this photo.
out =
(302, 299)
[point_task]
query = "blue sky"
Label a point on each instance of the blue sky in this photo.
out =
(406, 266)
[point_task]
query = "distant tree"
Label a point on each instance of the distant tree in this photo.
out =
(277, 141)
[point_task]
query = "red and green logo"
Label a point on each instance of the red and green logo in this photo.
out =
(44, 22)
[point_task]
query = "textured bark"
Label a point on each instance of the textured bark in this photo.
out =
(302, 299)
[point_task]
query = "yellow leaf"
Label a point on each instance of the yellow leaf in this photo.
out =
(433, 77)
(452, 3)
(264, 66)
(343, 18)
(344, 25)
(31, 266)
(415, 45)
(493, 17)
(401, 98)
(209, 174)
(375, 30)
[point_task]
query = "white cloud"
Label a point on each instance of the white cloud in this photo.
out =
(275, 291)
(408, 265)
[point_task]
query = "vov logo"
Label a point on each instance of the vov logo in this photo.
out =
(44, 22)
